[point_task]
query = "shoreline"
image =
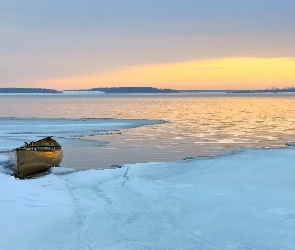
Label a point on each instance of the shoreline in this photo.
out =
(93, 163)
(70, 167)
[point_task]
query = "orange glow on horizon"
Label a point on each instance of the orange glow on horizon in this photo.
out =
(224, 73)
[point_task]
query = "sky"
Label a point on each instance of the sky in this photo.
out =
(179, 44)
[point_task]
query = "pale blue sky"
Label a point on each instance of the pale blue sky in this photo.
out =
(56, 38)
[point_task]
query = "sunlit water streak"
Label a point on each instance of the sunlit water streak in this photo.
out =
(197, 124)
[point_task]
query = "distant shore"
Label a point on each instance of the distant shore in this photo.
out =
(136, 90)
(87, 91)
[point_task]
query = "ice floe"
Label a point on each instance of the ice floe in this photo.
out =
(68, 131)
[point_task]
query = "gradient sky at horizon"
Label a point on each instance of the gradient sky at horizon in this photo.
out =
(182, 44)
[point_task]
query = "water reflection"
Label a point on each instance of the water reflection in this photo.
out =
(196, 125)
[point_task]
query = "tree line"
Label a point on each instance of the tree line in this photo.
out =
(28, 90)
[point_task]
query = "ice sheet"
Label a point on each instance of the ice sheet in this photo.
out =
(14, 131)
(243, 200)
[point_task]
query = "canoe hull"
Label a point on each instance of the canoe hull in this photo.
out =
(35, 158)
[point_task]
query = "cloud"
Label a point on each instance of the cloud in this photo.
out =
(58, 38)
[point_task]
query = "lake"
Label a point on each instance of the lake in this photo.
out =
(197, 124)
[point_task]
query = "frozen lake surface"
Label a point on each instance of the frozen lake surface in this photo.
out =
(243, 200)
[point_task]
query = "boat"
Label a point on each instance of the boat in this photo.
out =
(35, 157)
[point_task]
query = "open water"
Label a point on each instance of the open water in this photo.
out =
(196, 124)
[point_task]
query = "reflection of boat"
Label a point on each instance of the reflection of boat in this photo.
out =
(35, 157)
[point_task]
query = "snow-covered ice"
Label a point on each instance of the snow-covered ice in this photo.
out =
(243, 200)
